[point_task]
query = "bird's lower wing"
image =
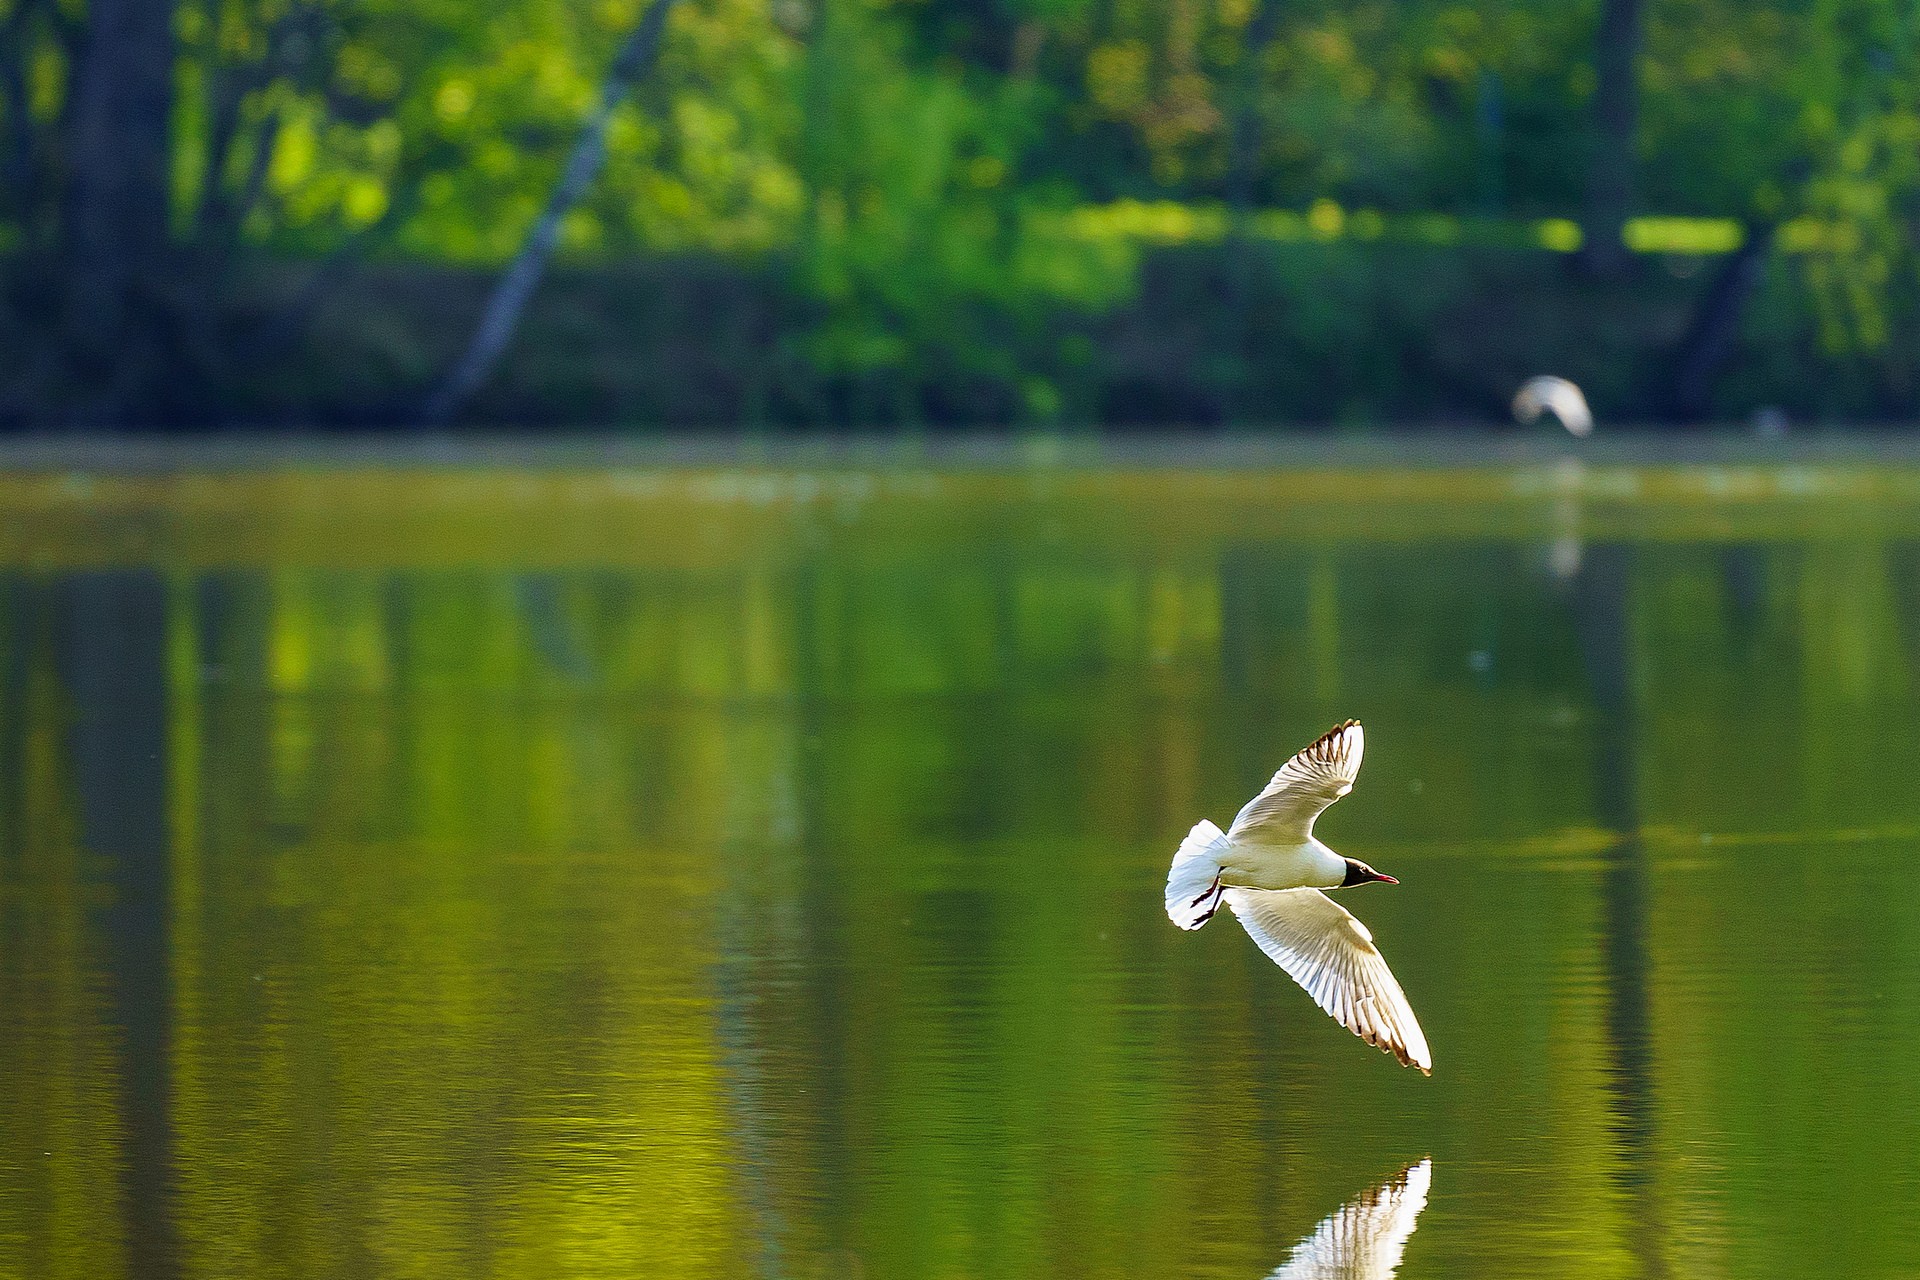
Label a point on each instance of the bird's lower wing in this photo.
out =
(1324, 949)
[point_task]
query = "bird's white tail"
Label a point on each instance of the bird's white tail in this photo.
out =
(1193, 884)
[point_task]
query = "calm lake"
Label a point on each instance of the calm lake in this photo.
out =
(733, 871)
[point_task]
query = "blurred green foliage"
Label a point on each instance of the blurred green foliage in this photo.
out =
(931, 207)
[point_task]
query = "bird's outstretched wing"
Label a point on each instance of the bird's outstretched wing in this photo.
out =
(1364, 1238)
(1283, 814)
(1324, 949)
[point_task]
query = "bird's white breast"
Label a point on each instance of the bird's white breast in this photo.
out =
(1266, 866)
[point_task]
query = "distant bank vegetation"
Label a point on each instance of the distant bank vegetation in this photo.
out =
(878, 213)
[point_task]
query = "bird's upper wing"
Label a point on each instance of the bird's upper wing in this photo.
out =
(1364, 1238)
(1324, 949)
(1305, 785)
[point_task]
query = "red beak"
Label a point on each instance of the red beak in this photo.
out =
(1384, 879)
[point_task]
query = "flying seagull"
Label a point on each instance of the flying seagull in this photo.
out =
(1548, 394)
(1364, 1238)
(1270, 869)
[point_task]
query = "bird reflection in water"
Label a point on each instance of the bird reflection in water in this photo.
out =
(1364, 1238)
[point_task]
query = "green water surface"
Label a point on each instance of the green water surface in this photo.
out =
(756, 872)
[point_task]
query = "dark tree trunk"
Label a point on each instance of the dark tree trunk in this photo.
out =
(1243, 141)
(1716, 323)
(1616, 110)
(1243, 165)
(17, 150)
(117, 195)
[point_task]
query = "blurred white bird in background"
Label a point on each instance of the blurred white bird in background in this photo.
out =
(1548, 394)
(1365, 1238)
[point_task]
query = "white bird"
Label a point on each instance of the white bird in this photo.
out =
(1270, 869)
(1364, 1238)
(1548, 394)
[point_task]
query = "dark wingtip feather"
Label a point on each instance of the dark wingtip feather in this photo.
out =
(1322, 747)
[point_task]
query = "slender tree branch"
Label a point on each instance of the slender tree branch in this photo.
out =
(21, 165)
(217, 215)
(1023, 54)
(502, 315)
(265, 143)
(17, 164)
(228, 93)
(71, 31)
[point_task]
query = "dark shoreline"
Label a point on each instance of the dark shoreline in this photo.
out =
(122, 455)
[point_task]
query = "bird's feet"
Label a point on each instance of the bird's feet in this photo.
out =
(1215, 892)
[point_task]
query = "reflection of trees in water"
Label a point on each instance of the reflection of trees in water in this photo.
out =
(1602, 588)
(542, 604)
(438, 717)
(1743, 571)
(111, 640)
(64, 1052)
(821, 620)
(771, 736)
(1770, 681)
(1903, 568)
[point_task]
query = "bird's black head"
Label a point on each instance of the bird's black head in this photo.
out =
(1359, 872)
